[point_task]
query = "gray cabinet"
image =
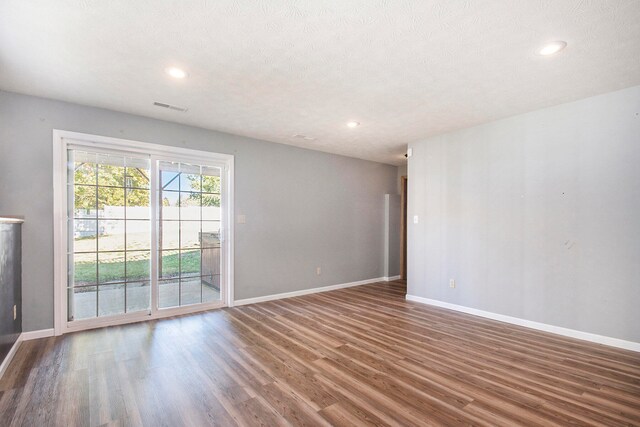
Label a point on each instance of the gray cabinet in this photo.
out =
(10, 284)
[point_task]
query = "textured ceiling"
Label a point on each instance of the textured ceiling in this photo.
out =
(270, 69)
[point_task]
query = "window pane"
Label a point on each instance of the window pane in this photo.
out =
(138, 235)
(137, 173)
(210, 207)
(138, 296)
(190, 206)
(169, 208)
(211, 261)
(83, 269)
(110, 235)
(111, 267)
(212, 227)
(210, 240)
(189, 234)
(83, 303)
(212, 200)
(211, 171)
(84, 235)
(170, 235)
(190, 291)
(84, 169)
(110, 299)
(169, 264)
(138, 266)
(110, 170)
(211, 288)
(138, 204)
(190, 263)
(168, 293)
(190, 180)
(169, 176)
(84, 201)
(111, 202)
(211, 184)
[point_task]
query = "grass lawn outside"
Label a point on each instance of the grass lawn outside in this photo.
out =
(85, 272)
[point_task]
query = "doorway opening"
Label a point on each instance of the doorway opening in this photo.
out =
(403, 228)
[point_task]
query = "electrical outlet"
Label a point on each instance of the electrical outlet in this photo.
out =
(15, 312)
(452, 283)
(318, 271)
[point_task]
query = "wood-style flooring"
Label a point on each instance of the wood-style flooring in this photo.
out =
(358, 356)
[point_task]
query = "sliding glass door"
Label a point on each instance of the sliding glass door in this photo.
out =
(109, 235)
(144, 234)
(189, 227)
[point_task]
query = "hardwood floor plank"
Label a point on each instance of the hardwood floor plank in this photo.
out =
(290, 406)
(345, 414)
(257, 412)
(360, 356)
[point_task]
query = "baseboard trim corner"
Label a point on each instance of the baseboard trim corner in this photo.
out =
(305, 292)
(392, 278)
(9, 357)
(34, 335)
(558, 330)
(24, 336)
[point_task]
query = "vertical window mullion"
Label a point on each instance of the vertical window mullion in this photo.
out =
(71, 188)
(224, 192)
(97, 235)
(200, 235)
(179, 237)
(154, 253)
(126, 193)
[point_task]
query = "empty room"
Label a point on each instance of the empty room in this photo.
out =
(319, 213)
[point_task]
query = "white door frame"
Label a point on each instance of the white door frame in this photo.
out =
(61, 141)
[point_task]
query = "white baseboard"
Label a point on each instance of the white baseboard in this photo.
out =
(391, 278)
(305, 292)
(586, 336)
(9, 357)
(24, 336)
(34, 335)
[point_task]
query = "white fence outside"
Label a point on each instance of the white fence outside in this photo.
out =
(110, 219)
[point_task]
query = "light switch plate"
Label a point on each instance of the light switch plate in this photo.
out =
(242, 219)
(415, 219)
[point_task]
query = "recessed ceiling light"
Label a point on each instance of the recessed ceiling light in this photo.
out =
(176, 73)
(552, 47)
(353, 124)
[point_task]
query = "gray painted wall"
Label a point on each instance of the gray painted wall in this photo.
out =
(303, 208)
(391, 235)
(536, 216)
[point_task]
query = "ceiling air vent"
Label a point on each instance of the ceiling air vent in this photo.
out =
(169, 106)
